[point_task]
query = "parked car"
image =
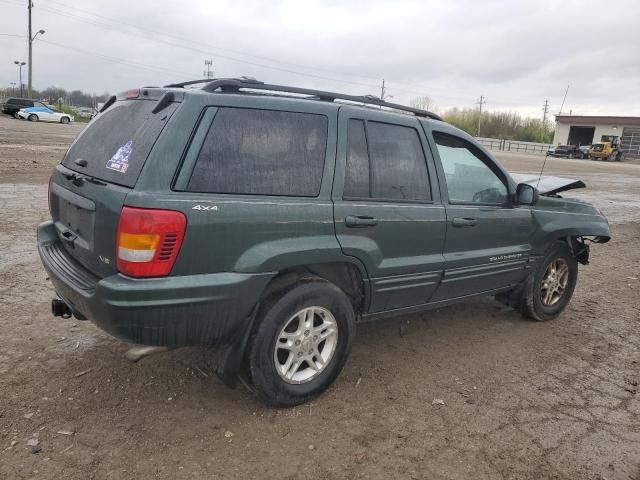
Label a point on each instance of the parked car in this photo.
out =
(270, 225)
(13, 105)
(584, 151)
(569, 151)
(45, 114)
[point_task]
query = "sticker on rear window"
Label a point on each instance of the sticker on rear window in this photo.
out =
(120, 161)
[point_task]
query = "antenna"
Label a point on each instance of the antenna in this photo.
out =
(563, 100)
(542, 169)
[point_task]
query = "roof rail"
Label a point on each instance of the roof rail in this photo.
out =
(235, 84)
(184, 84)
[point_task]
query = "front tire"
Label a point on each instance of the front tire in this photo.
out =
(65, 120)
(33, 117)
(301, 343)
(550, 287)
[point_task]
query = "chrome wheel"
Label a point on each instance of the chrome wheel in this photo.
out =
(305, 345)
(554, 282)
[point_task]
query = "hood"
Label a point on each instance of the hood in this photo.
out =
(548, 185)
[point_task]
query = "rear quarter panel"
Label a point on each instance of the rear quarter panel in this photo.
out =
(241, 233)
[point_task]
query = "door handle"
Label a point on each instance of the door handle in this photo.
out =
(464, 222)
(354, 221)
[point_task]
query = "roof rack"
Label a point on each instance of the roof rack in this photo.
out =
(184, 84)
(236, 84)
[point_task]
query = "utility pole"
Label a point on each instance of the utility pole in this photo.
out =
(545, 111)
(208, 73)
(383, 93)
(30, 47)
(480, 102)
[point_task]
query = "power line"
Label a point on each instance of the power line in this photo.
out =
(114, 59)
(117, 25)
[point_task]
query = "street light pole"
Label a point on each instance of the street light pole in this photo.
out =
(31, 39)
(20, 65)
(30, 44)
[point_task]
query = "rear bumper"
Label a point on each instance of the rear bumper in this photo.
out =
(174, 311)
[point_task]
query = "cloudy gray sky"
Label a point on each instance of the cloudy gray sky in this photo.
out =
(515, 53)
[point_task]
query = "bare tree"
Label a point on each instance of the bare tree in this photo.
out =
(423, 103)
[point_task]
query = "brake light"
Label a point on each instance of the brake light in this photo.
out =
(149, 241)
(133, 93)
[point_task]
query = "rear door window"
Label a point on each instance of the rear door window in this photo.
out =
(357, 181)
(262, 152)
(116, 144)
(385, 162)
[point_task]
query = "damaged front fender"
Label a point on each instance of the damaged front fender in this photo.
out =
(563, 218)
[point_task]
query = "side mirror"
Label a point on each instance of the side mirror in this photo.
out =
(526, 194)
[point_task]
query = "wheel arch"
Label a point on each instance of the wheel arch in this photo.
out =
(347, 275)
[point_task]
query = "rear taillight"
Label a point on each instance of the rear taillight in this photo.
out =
(133, 93)
(149, 241)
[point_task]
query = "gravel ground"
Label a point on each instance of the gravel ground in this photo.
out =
(521, 400)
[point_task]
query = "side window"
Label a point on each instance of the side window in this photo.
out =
(395, 167)
(262, 152)
(357, 178)
(469, 179)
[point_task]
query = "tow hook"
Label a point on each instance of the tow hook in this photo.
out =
(60, 309)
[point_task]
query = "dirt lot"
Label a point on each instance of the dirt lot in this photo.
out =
(523, 400)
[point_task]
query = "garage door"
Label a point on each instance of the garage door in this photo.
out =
(630, 142)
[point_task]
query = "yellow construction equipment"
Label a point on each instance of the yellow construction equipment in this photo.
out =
(608, 148)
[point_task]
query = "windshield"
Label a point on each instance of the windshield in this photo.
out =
(117, 142)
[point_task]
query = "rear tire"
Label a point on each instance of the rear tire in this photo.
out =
(16, 116)
(550, 287)
(312, 323)
(33, 117)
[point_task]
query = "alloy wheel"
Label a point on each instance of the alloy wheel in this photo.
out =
(554, 282)
(305, 345)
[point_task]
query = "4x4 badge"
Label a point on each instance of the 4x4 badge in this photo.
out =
(211, 208)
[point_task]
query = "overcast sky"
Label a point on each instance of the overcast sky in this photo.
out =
(516, 54)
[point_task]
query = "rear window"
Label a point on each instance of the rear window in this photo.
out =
(262, 152)
(116, 144)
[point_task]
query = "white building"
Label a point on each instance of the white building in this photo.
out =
(585, 130)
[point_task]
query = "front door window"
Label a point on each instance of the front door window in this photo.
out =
(469, 179)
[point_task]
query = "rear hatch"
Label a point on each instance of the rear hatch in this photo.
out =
(89, 187)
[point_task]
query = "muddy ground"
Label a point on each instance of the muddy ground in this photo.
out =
(522, 400)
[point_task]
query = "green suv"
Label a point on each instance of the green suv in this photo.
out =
(268, 221)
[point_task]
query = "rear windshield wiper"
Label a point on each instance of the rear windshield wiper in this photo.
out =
(78, 179)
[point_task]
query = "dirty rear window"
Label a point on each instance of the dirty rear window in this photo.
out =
(116, 144)
(262, 152)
